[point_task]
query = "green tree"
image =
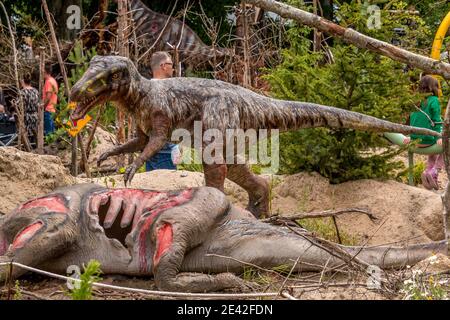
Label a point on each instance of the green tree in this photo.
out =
(358, 81)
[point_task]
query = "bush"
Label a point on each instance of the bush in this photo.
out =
(358, 81)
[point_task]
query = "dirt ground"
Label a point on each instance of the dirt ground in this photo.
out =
(404, 214)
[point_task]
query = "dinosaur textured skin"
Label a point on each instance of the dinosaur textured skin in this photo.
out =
(171, 235)
(170, 33)
(161, 106)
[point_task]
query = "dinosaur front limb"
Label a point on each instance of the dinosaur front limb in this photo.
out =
(160, 124)
(167, 261)
(134, 145)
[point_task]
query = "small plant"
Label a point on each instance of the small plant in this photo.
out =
(83, 289)
(417, 173)
(324, 227)
(254, 275)
(18, 291)
(106, 181)
(424, 287)
(190, 161)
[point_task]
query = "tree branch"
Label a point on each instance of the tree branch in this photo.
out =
(353, 37)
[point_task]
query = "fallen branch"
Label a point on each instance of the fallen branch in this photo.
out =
(320, 214)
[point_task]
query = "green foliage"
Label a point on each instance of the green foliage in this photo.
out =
(80, 59)
(358, 81)
(107, 180)
(190, 160)
(324, 228)
(91, 274)
(417, 173)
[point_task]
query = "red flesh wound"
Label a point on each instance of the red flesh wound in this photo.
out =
(164, 241)
(172, 201)
(26, 234)
(52, 203)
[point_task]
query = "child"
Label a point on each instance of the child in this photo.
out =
(429, 116)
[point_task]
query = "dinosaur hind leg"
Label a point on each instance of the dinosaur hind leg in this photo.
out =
(215, 175)
(256, 187)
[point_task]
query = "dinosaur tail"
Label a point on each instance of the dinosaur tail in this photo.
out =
(289, 115)
(268, 246)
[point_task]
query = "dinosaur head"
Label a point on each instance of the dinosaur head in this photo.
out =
(108, 78)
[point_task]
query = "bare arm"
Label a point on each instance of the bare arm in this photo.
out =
(48, 96)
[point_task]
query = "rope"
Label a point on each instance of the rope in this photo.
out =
(152, 292)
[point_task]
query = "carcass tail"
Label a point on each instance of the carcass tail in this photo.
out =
(387, 257)
(268, 246)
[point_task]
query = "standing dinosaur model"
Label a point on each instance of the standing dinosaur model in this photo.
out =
(161, 106)
(176, 236)
(169, 34)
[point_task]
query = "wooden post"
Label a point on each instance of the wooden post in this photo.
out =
(40, 125)
(84, 159)
(446, 153)
(410, 168)
(247, 79)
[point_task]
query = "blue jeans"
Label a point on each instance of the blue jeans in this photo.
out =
(162, 160)
(49, 125)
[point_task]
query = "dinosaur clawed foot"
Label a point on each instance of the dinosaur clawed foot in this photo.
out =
(129, 174)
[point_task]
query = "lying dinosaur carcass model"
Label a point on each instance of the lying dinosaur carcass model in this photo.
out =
(161, 106)
(189, 240)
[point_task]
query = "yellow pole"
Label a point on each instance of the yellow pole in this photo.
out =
(438, 42)
(439, 37)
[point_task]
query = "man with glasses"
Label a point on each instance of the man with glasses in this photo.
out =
(169, 156)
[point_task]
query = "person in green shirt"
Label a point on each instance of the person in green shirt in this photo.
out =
(428, 116)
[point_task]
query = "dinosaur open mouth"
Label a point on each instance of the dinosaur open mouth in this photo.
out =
(84, 106)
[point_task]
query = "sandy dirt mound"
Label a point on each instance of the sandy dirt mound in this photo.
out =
(404, 213)
(25, 175)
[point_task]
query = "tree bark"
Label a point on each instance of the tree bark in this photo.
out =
(446, 153)
(122, 42)
(66, 80)
(353, 37)
(60, 15)
(40, 125)
(20, 109)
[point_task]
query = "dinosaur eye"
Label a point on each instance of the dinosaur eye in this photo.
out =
(115, 76)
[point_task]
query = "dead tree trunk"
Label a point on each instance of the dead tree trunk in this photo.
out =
(40, 125)
(23, 133)
(446, 195)
(123, 51)
(66, 80)
(353, 37)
